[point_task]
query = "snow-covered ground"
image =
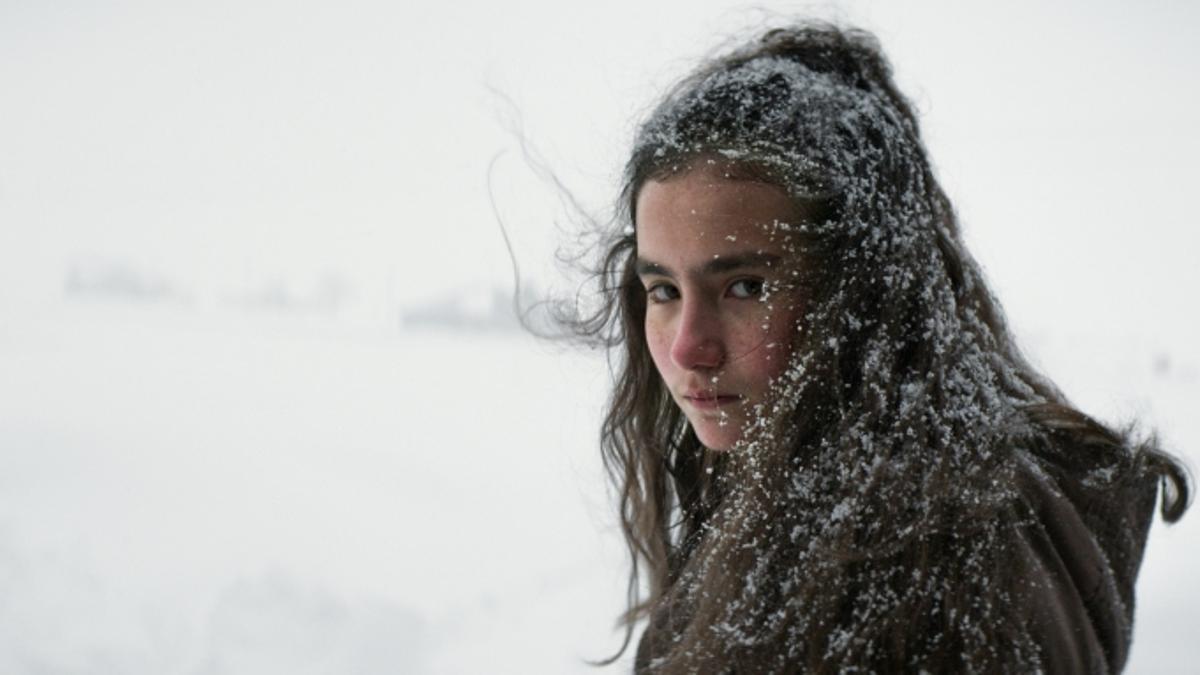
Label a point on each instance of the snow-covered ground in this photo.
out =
(189, 491)
(264, 493)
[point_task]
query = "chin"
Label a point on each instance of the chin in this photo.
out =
(717, 438)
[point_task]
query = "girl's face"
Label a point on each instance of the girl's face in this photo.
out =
(716, 257)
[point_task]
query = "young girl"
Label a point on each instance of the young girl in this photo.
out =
(829, 452)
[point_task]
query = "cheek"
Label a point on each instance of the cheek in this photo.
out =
(658, 341)
(774, 345)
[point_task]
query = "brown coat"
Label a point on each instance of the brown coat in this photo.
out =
(1083, 552)
(1077, 557)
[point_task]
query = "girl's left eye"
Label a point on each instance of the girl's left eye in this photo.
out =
(746, 288)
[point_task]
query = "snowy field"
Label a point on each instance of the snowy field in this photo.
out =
(230, 491)
(275, 494)
(260, 412)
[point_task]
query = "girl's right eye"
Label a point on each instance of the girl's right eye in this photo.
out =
(662, 293)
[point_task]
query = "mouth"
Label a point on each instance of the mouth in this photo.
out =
(705, 400)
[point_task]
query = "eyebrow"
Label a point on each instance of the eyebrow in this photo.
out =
(719, 265)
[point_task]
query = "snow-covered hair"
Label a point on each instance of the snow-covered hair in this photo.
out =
(860, 521)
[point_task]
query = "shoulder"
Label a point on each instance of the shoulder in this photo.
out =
(1087, 514)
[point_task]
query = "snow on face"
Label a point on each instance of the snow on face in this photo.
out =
(715, 258)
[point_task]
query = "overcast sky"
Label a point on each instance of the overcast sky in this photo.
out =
(223, 145)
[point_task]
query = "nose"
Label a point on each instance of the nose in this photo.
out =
(698, 342)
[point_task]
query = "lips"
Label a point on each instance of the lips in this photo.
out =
(707, 400)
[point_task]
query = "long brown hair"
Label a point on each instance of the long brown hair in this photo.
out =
(861, 521)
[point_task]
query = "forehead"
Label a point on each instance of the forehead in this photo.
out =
(705, 209)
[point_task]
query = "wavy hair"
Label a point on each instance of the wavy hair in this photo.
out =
(861, 520)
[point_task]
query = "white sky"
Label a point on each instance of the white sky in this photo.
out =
(226, 144)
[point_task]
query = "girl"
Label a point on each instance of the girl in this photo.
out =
(830, 454)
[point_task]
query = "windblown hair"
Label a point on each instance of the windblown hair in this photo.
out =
(861, 520)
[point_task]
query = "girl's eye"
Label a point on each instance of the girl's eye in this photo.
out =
(662, 293)
(746, 288)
